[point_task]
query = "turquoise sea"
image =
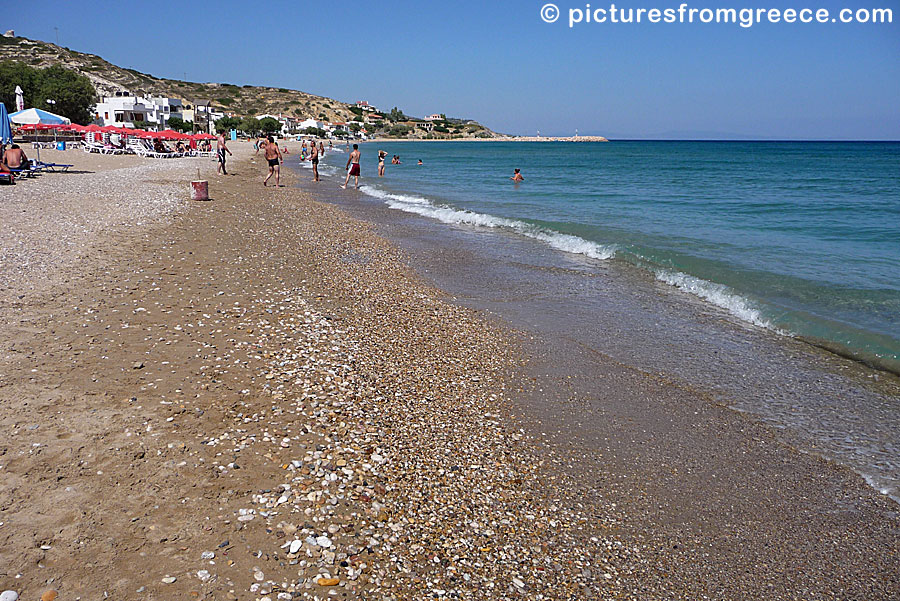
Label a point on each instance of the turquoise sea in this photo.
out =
(801, 238)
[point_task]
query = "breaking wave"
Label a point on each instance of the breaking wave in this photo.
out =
(423, 206)
(717, 294)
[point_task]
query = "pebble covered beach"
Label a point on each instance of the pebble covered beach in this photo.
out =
(257, 398)
(238, 400)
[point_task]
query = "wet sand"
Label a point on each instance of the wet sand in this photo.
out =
(257, 397)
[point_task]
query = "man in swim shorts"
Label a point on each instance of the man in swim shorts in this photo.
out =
(221, 149)
(352, 167)
(314, 159)
(273, 157)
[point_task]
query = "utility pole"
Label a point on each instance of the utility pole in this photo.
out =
(56, 29)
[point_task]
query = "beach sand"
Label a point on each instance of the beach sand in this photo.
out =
(257, 397)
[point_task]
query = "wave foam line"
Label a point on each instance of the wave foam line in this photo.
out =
(423, 206)
(719, 295)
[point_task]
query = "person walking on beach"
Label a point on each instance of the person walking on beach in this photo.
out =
(273, 156)
(322, 149)
(381, 156)
(314, 159)
(221, 149)
(517, 177)
(352, 167)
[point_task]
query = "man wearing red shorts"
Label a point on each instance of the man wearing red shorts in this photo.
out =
(352, 167)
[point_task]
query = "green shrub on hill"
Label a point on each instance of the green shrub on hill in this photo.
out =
(398, 131)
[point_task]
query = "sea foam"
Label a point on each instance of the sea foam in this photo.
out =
(425, 207)
(718, 294)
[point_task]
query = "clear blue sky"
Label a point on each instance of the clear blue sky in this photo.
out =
(498, 62)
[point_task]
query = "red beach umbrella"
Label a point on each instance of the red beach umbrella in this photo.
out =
(171, 134)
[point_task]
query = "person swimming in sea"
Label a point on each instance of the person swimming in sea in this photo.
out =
(517, 177)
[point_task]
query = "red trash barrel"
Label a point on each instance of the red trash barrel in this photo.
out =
(200, 190)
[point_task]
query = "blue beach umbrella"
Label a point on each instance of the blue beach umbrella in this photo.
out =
(34, 116)
(5, 127)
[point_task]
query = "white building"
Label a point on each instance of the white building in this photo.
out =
(434, 117)
(310, 123)
(171, 107)
(124, 109)
(286, 123)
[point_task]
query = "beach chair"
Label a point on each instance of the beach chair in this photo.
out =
(143, 150)
(32, 171)
(92, 147)
(54, 167)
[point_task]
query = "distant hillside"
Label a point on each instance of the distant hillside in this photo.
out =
(240, 101)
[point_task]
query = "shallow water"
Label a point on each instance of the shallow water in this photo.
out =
(802, 238)
(822, 403)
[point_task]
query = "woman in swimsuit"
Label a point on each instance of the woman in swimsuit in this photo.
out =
(381, 155)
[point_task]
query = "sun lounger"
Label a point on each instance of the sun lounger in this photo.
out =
(54, 167)
(101, 149)
(30, 172)
(143, 149)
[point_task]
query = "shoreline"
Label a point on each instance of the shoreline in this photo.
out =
(458, 259)
(498, 139)
(266, 368)
(737, 302)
